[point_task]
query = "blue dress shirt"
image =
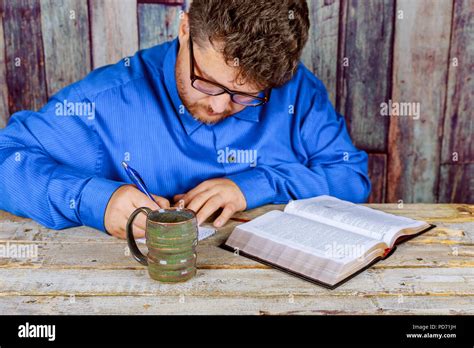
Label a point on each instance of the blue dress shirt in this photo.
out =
(60, 165)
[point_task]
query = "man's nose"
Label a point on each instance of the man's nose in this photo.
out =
(219, 103)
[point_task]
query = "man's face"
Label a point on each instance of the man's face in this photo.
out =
(208, 64)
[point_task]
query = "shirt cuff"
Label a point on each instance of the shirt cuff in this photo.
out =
(255, 186)
(94, 199)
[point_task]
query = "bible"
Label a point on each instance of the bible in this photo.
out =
(323, 239)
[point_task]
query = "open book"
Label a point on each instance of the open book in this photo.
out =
(322, 239)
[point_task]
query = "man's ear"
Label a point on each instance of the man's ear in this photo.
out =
(183, 30)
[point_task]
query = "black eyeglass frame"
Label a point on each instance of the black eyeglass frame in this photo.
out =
(232, 93)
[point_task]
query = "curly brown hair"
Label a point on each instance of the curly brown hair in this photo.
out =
(266, 36)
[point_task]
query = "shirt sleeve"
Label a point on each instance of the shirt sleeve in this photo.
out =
(333, 165)
(50, 163)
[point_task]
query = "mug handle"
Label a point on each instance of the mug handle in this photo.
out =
(132, 245)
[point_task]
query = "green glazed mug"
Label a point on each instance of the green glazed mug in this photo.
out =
(171, 237)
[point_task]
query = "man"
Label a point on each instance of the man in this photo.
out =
(224, 117)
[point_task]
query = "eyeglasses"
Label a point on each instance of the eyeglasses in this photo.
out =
(214, 89)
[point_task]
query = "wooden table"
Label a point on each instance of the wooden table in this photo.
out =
(84, 271)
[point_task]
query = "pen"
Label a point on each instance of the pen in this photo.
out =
(138, 181)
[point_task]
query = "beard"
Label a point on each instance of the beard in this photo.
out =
(204, 113)
(200, 111)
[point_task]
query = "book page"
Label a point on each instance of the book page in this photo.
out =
(346, 215)
(311, 236)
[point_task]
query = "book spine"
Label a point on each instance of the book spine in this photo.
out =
(386, 252)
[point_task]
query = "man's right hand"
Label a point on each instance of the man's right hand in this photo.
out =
(121, 205)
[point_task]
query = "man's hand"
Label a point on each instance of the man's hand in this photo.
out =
(210, 195)
(121, 205)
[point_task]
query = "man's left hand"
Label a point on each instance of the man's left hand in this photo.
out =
(210, 195)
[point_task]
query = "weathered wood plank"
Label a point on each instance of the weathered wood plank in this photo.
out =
(364, 80)
(28, 230)
(449, 213)
(283, 305)
(445, 233)
(420, 211)
(167, 2)
(65, 27)
(97, 255)
(4, 112)
(456, 183)
(157, 23)
(458, 144)
(420, 70)
(321, 49)
(114, 30)
(255, 283)
(443, 215)
(433, 274)
(24, 55)
(378, 177)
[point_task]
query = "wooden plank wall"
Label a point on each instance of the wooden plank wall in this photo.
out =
(24, 55)
(322, 42)
(4, 110)
(65, 32)
(420, 60)
(457, 155)
(114, 30)
(157, 23)
(367, 53)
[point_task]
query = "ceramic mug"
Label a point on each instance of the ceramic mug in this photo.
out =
(171, 237)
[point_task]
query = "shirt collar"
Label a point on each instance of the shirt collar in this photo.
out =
(190, 124)
(250, 113)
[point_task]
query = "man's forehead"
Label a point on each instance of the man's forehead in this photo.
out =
(208, 57)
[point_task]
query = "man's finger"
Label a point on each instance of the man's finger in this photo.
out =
(189, 196)
(140, 219)
(177, 197)
(140, 222)
(214, 203)
(180, 204)
(139, 199)
(142, 200)
(199, 200)
(226, 214)
(163, 202)
(138, 232)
